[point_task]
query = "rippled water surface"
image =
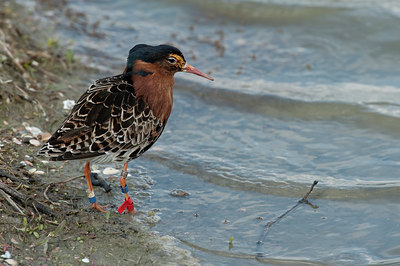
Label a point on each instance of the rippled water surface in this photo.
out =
(304, 90)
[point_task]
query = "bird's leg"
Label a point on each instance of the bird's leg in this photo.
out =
(89, 191)
(128, 203)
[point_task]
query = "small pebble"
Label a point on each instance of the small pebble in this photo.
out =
(17, 141)
(26, 138)
(26, 163)
(6, 255)
(33, 130)
(31, 171)
(68, 104)
(34, 142)
(110, 171)
(149, 180)
(179, 193)
(11, 262)
(85, 260)
(152, 219)
(44, 136)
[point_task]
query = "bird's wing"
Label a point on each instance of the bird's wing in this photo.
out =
(109, 120)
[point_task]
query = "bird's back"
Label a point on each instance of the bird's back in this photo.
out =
(108, 123)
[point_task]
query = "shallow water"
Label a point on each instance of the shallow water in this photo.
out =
(304, 90)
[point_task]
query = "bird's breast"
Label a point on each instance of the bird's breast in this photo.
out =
(156, 90)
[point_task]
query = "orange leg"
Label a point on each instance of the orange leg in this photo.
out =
(128, 204)
(90, 191)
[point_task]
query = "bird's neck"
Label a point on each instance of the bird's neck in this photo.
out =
(155, 86)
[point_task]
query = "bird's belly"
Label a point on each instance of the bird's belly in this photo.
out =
(123, 155)
(108, 157)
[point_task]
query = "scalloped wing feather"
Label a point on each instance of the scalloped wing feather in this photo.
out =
(108, 123)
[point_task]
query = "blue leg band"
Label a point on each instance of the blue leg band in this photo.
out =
(124, 189)
(92, 200)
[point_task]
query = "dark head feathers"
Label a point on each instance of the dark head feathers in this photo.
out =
(150, 54)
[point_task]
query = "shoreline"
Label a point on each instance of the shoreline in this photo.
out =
(37, 74)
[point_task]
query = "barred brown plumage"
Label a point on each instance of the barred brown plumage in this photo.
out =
(118, 118)
(108, 123)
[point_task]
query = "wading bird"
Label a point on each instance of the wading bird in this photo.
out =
(119, 118)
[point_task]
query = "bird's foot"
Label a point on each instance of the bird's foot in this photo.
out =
(98, 207)
(127, 206)
(131, 212)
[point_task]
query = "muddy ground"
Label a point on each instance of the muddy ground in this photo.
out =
(44, 219)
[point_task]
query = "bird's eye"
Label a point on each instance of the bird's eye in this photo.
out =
(171, 60)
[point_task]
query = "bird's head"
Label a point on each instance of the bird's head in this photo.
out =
(164, 57)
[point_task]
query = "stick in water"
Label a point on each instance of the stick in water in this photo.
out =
(280, 217)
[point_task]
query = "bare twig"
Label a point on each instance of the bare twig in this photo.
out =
(45, 195)
(54, 234)
(25, 199)
(50, 75)
(304, 199)
(10, 201)
(34, 206)
(280, 217)
(13, 59)
(12, 177)
(56, 183)
(39, 54)
(40, 106)
(24, 95)
(28, 98)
